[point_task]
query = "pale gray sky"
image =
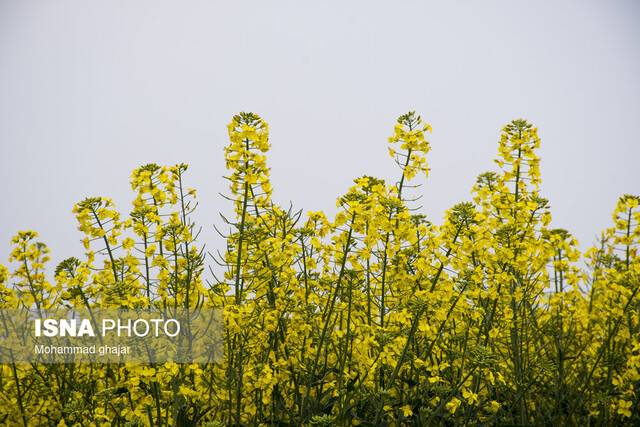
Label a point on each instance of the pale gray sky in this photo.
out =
(91, 90)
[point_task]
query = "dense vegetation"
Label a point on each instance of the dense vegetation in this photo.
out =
(375, 317)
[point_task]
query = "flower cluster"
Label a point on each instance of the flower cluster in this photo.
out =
(373, 317)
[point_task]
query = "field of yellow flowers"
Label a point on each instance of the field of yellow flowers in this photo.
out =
(376, 317)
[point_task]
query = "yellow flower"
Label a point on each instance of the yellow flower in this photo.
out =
(453, 405)
(623, 407)
(127, 243)
(151, 249)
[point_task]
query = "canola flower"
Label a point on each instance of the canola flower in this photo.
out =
(374, 317)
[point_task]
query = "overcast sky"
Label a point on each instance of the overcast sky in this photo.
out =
(91, 90)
